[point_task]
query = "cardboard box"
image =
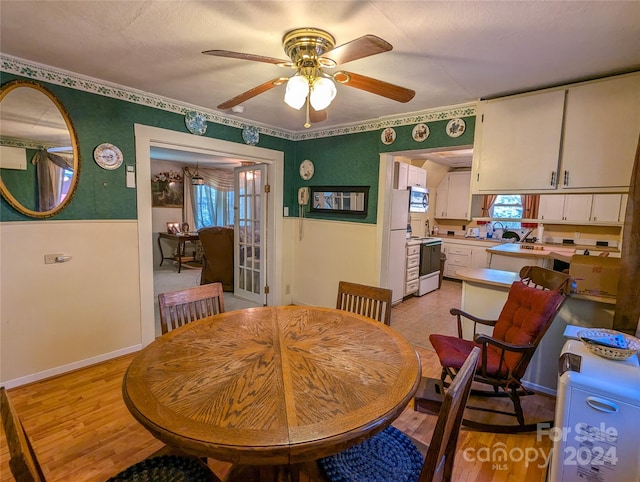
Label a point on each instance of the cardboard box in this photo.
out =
(595, 275)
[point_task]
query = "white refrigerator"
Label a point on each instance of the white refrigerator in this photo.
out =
(398, 242)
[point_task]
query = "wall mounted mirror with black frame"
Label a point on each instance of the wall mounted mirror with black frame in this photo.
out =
(39, 150)
(351, 200)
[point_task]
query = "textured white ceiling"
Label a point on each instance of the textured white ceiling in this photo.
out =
(448, 52)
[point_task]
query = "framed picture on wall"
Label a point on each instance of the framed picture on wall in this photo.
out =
(167, 190)
(173, 228)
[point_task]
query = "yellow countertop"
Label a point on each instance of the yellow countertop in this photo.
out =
(488, 276)
(538, 251)
(504, 279)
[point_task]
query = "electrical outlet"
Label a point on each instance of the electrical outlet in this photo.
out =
(576, 235)
(51, 258)
(287, 290)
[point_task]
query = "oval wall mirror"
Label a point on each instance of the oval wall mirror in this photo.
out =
(39, 158)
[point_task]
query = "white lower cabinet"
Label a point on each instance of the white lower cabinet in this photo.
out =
(464, 254)
(412, 277)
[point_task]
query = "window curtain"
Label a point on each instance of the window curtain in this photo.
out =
(487, 202)
(211, 205)
(530, 203)
(50, 175)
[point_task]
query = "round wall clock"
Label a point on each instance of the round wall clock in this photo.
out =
(456, 127)
(108, 156)
(306, 169)
(250, 135)
(195, 122)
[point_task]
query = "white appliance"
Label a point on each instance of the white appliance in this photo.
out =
(429, 265)
(597, 422)
(398, 242)
(418, 199)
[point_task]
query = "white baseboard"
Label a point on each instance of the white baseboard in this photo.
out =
(52, 372)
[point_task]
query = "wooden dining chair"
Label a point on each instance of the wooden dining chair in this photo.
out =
(393, 455)
(369, 301)
(25, 467)
(177, 308)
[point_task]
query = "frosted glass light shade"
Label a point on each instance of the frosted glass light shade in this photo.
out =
(297, 91)
(322, 93)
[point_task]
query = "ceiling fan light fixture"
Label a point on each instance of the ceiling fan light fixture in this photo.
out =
(322, 94)
(297, 91)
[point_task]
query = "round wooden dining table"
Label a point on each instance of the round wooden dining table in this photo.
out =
(272, 386)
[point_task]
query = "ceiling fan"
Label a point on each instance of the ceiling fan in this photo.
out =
(311, 51)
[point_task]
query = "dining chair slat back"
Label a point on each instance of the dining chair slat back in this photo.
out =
(369, 301)
(177, 308)
(438, 464)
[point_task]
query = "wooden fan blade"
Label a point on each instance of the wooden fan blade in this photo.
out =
(244, 56)
(358, 49)
(375, 86)
(260, 89)
(316, 116)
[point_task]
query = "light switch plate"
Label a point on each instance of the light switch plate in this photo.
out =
(131, 176)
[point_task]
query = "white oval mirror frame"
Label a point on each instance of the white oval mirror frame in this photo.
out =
(26, 119)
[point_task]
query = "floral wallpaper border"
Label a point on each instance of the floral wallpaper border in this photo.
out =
(36, 71)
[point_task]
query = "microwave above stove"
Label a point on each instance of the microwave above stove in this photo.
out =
(418, 199)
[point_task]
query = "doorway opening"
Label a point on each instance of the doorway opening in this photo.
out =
(147, 138)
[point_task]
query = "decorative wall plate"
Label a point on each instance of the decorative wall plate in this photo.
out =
(388, 136)
(306, 169)
(250, 135)
(195, 122)
(108, 156)
(456, 127)
(420, 132)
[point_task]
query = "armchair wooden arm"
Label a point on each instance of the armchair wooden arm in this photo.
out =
(503, 345)
(459, 314)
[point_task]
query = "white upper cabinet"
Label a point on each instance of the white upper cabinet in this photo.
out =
(453, 196)
(607, 208)
(406, 175)
(417, 176)
(519, 142)
(581, 208)
(581, 137)
(602, 123)
(400, 175)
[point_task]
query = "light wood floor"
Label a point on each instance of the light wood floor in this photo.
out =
(82, 431)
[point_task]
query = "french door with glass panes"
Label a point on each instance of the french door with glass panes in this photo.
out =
(250, 246)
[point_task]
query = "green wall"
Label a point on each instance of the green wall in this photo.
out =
(354, 159)
(343, 160)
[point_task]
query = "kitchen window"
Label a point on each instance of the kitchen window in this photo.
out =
(507, 206)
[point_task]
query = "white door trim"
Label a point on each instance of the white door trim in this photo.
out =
(147, 136)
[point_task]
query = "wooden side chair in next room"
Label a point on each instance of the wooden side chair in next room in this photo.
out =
(531, 306)
(369, 301)
(25, 467)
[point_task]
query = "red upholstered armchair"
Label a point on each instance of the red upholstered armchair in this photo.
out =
(531, 306)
